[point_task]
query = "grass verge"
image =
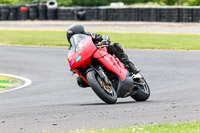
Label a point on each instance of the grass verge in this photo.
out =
(182, 127)
(7, 82)
(128, 39)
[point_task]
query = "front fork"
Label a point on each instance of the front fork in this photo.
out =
(101, 74)
(98, 70)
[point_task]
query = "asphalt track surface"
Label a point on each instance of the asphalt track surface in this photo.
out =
(54, 102)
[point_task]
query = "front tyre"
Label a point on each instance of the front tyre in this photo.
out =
(104, 92)
(143, 90)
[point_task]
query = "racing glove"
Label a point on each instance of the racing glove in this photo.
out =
(106, 40)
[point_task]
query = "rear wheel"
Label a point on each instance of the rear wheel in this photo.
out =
(143, 91)
(104, 92)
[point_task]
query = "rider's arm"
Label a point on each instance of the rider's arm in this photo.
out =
(98, 37)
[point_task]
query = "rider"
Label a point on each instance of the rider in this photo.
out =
(113, 48)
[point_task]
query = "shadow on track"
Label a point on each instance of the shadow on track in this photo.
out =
(118, 103)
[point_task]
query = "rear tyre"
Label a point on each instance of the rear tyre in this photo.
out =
(105, 93)
(143, 91)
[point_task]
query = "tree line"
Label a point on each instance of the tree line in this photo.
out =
(107, 2)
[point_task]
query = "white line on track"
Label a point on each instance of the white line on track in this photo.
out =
(27, 82)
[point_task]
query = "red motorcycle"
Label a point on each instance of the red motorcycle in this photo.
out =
(104, 73)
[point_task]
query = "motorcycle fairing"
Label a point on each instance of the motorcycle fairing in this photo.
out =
(125, 88)
(111, 63)
(81, 51)
(82, 76)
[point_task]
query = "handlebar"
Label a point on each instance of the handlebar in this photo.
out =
(100, 45)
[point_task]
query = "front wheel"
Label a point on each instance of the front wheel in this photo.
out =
(143, 90)
(104, 92)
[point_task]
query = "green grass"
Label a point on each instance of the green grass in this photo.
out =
(7, 82)
(183, 127)
(128, 39)
(33, 37)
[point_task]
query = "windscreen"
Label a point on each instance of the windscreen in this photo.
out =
(77, 42)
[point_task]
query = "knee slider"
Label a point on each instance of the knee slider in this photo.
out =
(81, 82)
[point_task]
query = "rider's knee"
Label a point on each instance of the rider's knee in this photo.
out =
(81, 82)
(118, 47)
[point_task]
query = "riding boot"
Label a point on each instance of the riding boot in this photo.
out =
(133, 68)
(129, 65)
